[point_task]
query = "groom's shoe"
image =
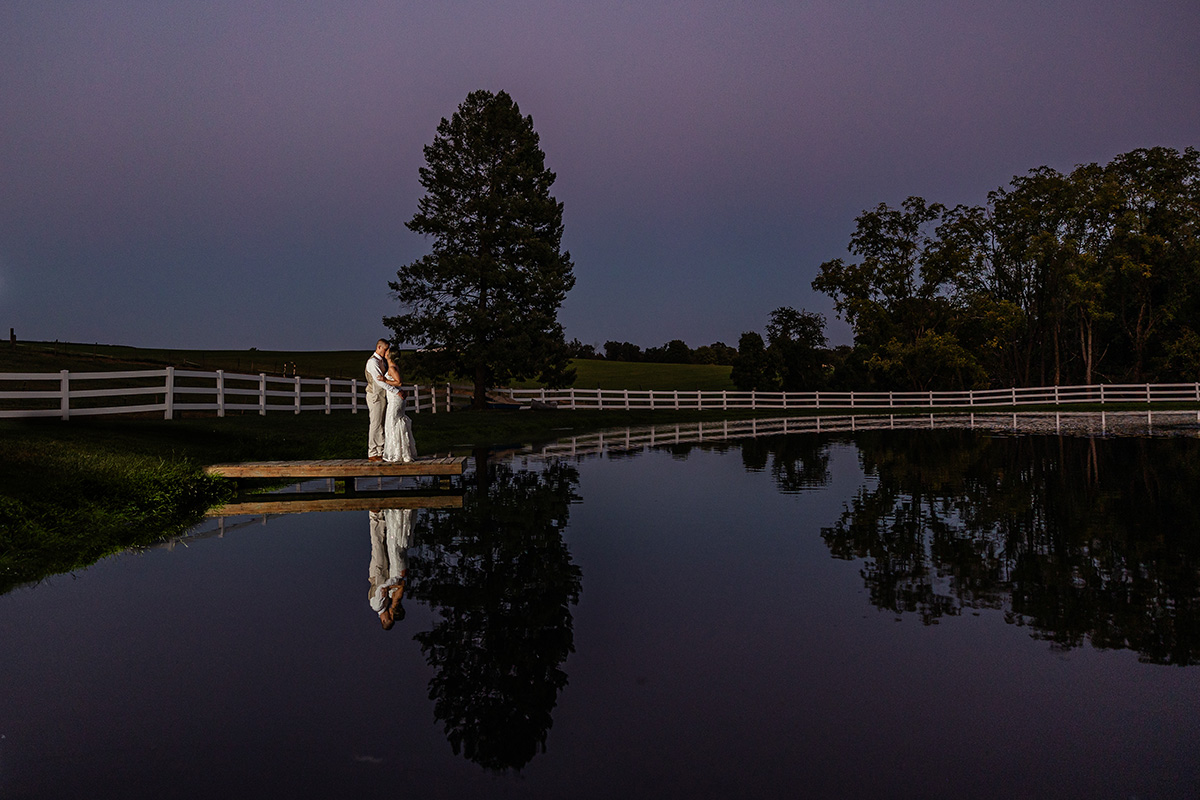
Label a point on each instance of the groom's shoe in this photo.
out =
(374, 458)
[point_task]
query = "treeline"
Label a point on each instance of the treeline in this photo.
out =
(675, 351)
(1086, 277)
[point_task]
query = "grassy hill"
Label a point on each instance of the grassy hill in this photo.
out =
(55, 356)
(662, 377)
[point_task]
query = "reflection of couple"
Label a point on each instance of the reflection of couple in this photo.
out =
(390, 437)
(391, 531)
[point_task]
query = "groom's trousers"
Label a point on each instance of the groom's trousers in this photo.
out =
(376, 406)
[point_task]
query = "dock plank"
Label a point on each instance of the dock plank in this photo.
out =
(338, 468)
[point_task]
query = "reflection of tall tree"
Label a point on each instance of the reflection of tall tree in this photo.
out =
(1081, 538)
(501, 580)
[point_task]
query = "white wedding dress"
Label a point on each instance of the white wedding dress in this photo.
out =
(398, 442)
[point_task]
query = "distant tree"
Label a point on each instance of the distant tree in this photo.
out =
(577, 349)
(715, 353)
(675, 351)
(622, 351)
(754, 367)
(486, 299)
(797, 343)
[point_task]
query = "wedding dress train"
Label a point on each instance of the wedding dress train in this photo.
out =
(398, 442)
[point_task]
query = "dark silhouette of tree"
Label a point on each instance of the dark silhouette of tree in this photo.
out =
(797, 345)
(1088, 276)
(485, 301)
(501, 582)
(753, 367)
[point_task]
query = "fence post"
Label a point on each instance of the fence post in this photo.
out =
(599, 398)
(1147, 393)
(891, 402)
(572, 398)
(1014, 395)
(676, 401)
(1102, 394)
(699, 401)
(626, 399)
(725, 397)
(64, 382)
(220, 393)
(353, 396)
(754, 399)
(448, 409)
(170, 412)
(817, 399)
(262, 394)
(297, 379)
(433, 398)
(328, 399)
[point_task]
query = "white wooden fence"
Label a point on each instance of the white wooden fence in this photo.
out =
(629, 399)
(168, 391)
(68, 394)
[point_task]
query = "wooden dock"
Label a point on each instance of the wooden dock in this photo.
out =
(340, 468)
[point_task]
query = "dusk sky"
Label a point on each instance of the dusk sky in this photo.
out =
(238, 174)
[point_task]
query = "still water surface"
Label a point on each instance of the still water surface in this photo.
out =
(941, 613)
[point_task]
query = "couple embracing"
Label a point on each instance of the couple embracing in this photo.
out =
(390, 437)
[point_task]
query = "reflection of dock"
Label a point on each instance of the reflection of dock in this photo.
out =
(303, 502)
(340, 468)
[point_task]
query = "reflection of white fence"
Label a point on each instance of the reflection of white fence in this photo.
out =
(1143, 423)
(629, 399)
(69, 394)
(167, 391)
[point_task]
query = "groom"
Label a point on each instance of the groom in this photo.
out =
(376, 399)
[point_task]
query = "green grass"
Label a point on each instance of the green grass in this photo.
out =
(54, 356)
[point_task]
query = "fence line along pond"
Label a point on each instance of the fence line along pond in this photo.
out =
(167, 391)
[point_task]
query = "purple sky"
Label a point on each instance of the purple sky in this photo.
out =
(237, 174)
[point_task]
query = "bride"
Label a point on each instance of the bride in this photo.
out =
(398, 443)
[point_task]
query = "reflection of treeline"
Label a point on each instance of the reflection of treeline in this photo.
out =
(501, 581)
(1091, 276)
(1080, 539)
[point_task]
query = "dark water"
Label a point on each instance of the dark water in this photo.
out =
(919, 614)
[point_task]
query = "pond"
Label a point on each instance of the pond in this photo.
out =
(996, 607)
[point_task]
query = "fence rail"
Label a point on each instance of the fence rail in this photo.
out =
(629, 399)
(168, 391)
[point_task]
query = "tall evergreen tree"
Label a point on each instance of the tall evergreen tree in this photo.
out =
(485, 301)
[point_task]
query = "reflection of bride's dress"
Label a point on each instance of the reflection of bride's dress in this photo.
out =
(391, 533)
(398, 443)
